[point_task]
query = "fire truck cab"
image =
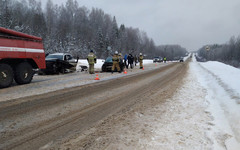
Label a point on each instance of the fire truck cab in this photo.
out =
(20, 54)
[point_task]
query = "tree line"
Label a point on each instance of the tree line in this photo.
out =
(76, 29)
(228, 53)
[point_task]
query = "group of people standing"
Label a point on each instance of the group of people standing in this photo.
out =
(130, 60)
(116, 59)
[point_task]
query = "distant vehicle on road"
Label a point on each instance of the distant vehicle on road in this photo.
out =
(107, 65)
(181, 59)
(59, 63)
(157, 59)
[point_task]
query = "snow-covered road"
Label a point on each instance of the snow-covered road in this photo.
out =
(204, 113)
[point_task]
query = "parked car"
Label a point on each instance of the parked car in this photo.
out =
(107, 65)
(181, 59)
(59, 63)
(157, 59)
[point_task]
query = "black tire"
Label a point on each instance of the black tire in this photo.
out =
(62, 70)
(60, 67)
(104, 69)
(6, 75)
(23, 73)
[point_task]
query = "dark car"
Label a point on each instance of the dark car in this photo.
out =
(181, 59)
(107, 65)
(59, 63)
(157, 59)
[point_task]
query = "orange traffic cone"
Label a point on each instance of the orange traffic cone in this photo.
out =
(97, 78)
(155, 65)
(125, 72)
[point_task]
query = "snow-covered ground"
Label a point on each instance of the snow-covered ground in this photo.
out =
(222, 85)
(84, 62)
(203, 114)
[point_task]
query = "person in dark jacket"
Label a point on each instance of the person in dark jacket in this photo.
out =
(125, 61)
(130, 59)
(141, 60)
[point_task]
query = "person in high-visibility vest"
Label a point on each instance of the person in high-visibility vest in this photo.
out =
(116, 61)
(164, 59)
(141, 60)
(92, 59)
(135, 60)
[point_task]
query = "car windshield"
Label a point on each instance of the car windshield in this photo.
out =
(55, 56)
(109, 59)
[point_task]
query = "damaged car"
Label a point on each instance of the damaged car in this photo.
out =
(59, 63)
(108, 63)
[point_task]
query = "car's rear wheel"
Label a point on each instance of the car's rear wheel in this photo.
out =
(6, 75)
(104, 69)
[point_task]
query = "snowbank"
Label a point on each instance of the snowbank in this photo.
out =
(221, 83)
(226, 74)
(84, 62)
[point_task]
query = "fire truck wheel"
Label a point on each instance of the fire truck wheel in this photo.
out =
(23, 73)
(6, 75)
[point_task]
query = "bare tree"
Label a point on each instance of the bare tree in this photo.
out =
(75, 29)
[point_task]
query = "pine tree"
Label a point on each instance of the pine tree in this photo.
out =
(114, 33)
(100, 43)
(6, 16)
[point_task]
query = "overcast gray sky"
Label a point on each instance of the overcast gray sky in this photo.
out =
(189, 23)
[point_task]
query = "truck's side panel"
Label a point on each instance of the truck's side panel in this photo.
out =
(17, 48)
(19, 54)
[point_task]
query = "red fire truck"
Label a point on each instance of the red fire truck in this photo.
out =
(20, 54)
